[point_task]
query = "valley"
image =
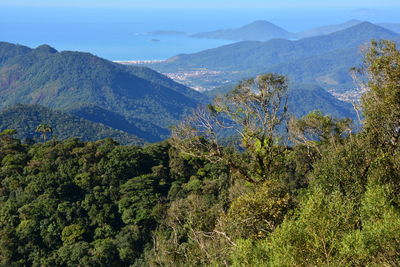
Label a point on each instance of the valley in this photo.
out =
(323, 60)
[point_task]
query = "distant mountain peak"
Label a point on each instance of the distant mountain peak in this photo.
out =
(353, 21)
(46, 49)
(260, 22)
(365, 23)
(261, 30)
(65, 80)
(368, 26)
(263, 25)
(328, 29)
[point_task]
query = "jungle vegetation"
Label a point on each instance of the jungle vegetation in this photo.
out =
(287, 191)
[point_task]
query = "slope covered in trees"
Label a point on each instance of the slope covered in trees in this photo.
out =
(26, 118)
(68, 80)
(138, 127)
(330, 198)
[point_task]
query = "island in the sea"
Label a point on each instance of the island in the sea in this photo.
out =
(166, 32)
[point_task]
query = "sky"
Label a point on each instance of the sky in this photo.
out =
(206, 3)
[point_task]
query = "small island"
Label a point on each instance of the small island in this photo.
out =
(166, 32)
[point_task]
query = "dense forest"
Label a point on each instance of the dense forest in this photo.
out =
(310, 191)
(26, 118)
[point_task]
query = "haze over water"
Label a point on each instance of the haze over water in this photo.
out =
(121, 34)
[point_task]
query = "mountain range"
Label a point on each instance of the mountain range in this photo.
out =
(249, 55)
(323, 60)
(136, 104)
(145, 102)
(262, 30)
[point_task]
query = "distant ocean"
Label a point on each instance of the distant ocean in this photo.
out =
(122, 34)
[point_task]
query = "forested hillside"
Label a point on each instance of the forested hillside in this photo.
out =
(25, 119)
(69, 80)
(317, 194)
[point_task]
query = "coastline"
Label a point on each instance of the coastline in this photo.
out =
(138, 62)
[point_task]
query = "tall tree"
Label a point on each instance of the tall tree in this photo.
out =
(44, 130)
(381, 101)
(256, 110)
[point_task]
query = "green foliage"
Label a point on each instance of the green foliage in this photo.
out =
(377, 242)
(304, 98)
(330, 200)
(256, 214)
(313, 236)
(380, 103)
(72, 233)
(321, 128)
(72, 203)
(249, 253)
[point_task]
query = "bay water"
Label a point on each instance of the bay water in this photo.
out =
(125, 34)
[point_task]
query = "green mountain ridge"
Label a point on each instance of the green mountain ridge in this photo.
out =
(304, 98)
(330, 70)
(137, 127)
(323, 60)
(250, 55)
(68, 80)
(25, 118)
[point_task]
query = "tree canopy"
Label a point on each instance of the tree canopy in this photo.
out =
(284, 191)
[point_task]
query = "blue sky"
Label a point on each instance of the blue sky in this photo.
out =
(206, 3)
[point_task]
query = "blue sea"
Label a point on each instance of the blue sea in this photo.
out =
(122, 34)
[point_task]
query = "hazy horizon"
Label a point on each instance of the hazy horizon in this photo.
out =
(205, 3)
(118, 33)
